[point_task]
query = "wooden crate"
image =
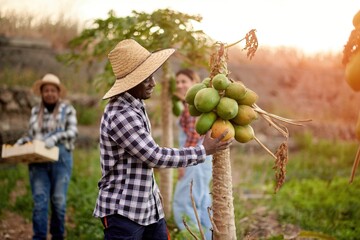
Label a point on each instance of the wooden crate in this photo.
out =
(28, 153)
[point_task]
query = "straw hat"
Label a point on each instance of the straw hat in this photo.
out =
(132, 64)
(48, 79)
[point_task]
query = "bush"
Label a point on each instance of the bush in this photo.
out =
(331, 207)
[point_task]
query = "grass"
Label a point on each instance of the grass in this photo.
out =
(324, 206)
(82, 196)
(87, 116)
(316, 195)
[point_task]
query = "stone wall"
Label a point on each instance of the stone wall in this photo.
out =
(30, 59)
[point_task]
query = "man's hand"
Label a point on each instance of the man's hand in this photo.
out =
(211, 145)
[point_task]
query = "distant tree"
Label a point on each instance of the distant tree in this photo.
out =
(164, 28)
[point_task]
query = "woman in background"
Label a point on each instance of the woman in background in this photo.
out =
(54, 122)
(201, 174)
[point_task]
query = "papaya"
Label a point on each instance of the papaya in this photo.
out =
(192, 91)
(220, 126)
(356, 20)
(236, 91)
(172, 84)
(205, 122)
(244, 134)
(352, 72)
(206, 99)
(227, 108)
(245, 115)
(206, 81)
(220, 81)
(193, 111)
(249, 98)
(177, 107)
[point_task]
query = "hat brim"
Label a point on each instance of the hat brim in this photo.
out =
(37, 88)
(149, 66)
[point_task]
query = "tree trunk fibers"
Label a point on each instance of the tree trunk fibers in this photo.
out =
(223, 207)
(166, 175)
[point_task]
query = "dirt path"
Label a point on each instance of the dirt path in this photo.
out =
(263, 224)
(15, 227)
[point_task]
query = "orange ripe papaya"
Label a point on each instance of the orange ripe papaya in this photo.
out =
(220, 126)
(352, 72)
(356, 20)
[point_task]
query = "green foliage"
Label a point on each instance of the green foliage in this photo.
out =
(316, 195)
(320, 158)
(87, 116)
(322, 206)
(240, 212)
(23, 204)
(164, 28)
(11, 77)
(10, 175)
(82, 196)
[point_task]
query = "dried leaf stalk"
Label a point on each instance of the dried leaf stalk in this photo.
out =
(280, 165)
(355, 165)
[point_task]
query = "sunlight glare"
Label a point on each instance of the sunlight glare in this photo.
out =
(311, 26)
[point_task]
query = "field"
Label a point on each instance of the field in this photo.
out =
(316, 200)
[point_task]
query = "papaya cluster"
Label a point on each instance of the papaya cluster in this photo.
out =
(222, 104)
(352, 69)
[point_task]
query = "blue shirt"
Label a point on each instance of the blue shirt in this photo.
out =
(128, 154)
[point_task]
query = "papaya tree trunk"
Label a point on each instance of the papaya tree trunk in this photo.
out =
(166, 175)
(223, 207)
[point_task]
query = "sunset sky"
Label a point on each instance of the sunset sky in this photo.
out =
(310, 25)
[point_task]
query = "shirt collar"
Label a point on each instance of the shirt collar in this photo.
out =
(127, 97)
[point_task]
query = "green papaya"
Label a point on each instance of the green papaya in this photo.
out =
(205, 122)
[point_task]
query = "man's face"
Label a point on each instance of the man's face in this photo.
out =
(144, 89)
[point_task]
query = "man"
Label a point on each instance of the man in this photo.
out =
(129, 202)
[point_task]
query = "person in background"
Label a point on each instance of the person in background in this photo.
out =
(200, 175)
(54, 122)
(129, 202)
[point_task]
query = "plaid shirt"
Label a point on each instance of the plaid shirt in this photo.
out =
(187, 123)
(62, 127)
(128, 154)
